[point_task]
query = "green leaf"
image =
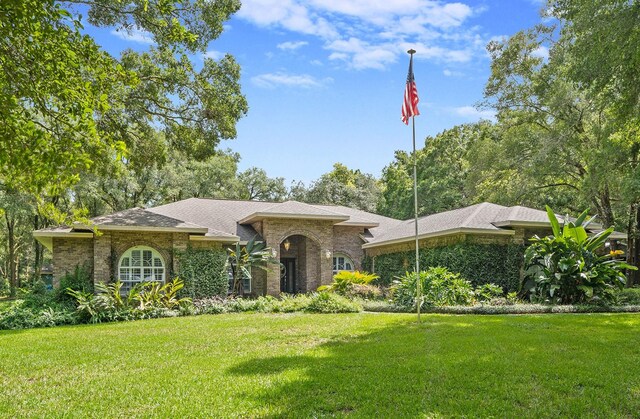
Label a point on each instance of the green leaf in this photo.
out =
(555, 226)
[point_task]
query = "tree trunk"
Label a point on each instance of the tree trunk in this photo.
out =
(633, 241)
(11, 255)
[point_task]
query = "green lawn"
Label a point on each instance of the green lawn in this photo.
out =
(302, 365)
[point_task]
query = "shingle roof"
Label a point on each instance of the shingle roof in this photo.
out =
(139, 217)
(479, 217)
(294, 209)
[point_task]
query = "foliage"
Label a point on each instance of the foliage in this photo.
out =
(145, 300)
(344, 281)
(254, 184)
(479, 263)
(443, 167)
(241, 259)
(342, 186)
(565, 268)
(487, 292)
(203, 272)
(439, 286)
(21, 315)
(79, 280)
(366, 292)
(629, 296)
(327, 302)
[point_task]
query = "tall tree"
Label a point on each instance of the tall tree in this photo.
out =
(254, 184)
(443, 168)
(344, 186)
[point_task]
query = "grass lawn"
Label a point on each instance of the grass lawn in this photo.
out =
(302, 365)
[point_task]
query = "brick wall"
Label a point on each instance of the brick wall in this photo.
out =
(69, 253)
(346, 240)
(319, 240)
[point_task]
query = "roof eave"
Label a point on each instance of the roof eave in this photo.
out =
(195, 230)
(464, 230)
(46, 237)
(221, 238)
(259, 216)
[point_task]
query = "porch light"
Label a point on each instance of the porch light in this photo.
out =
(286, 244)
(327, 254)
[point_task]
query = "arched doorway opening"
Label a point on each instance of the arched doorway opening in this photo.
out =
(299, 264)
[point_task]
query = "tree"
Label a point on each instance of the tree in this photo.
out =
(443, 168)
(343, 186)
(63, 117)
(603, 41)
(254, 184)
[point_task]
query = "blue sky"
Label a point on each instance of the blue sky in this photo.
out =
(324, 79)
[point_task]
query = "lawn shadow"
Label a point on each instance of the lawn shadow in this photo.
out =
(447, 367)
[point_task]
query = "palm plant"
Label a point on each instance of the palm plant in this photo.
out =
(240, 259)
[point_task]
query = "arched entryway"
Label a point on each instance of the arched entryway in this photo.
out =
(299, 264)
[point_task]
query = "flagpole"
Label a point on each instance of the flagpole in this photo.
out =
(415, 207)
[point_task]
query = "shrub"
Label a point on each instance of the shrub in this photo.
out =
(475, 262)
(291, 303)
(565, 268)
(145, 300)
(344, 281)
(79, 280)
(440, 287)
(4, 286)
(488, 292)
(21, 316)
(212, 305)
(326, 302)
(365, 292)
(629, 296)
(203, 272)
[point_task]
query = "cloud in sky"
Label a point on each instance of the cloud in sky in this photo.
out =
(290, 45)
(367, 33)
(213, 54)
(541, 52)
(273, 80)
(134, 35)
(472, 113)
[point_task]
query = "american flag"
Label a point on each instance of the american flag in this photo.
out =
(410, 103)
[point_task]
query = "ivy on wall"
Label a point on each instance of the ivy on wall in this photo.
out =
(479, 263)
(203, 272)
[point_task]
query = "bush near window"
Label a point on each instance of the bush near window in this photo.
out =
(203, 272)
(479, 263)
(440, 287)
(567, 268)
(79, 280)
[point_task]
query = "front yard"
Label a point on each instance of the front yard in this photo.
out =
(304, 365)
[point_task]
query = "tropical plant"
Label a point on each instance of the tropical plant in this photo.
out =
(440, 287)
(488, 292)
(344, 281)
(569, 266)
(240, 259)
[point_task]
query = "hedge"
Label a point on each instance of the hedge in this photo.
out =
(203, 272)
(479, 263)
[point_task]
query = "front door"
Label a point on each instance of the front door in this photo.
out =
(288, 275)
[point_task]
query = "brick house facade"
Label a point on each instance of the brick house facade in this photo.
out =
(306, 239)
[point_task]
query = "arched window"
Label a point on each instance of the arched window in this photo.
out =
(138, 264)
(342, 262)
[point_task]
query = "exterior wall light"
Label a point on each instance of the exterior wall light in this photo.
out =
(327, 254)
(286, 244)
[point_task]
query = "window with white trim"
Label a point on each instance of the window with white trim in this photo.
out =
(140, 264)
(342, 262)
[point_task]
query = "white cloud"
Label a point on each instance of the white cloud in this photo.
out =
(473, 113)
(290, 45)
(134, 35)
(272, 80)
(214, 55)
(541, 52)
(439, 27)
(450, 73)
